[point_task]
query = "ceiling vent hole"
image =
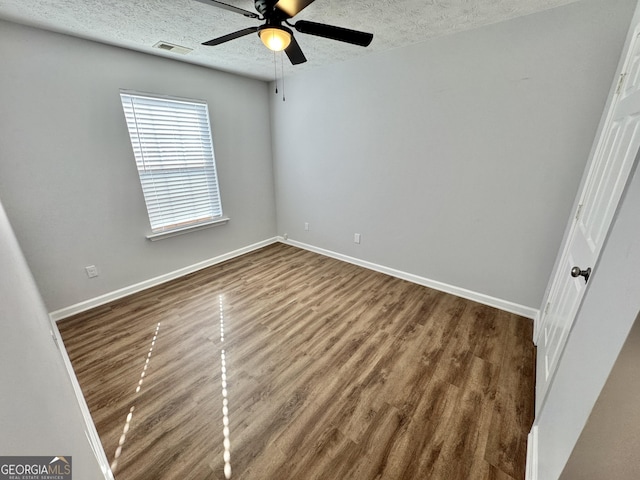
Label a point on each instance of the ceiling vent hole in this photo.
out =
(170, 47)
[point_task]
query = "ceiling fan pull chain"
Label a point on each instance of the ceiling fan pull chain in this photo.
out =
(275, 71)
(282, 70)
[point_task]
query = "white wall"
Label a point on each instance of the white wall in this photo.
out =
(457, 159)
(67, 174)
(39, 414)
(610, 307)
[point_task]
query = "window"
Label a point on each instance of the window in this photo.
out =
(173, 148)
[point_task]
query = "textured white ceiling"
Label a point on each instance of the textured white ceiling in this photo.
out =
(140, 24)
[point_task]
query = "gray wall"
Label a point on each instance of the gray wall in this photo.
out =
(39, 414)
(67, 174)
(609, 309)
(457, 159)
(610, 441)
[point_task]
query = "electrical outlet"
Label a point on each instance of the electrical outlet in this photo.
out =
(92, 271)
(356, 238)
(286, 236)
(306, 226)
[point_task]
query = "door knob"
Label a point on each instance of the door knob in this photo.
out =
(576, 272)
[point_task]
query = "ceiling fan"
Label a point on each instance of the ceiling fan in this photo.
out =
(278, 37)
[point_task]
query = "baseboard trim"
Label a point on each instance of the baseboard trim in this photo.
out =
(90, 428)
(505, 305)
(532, 454)
(63, 313)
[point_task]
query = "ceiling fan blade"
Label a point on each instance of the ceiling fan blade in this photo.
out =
(231, 8)
(334, 33)
(293, 7)
(231, 36)
(294, 52)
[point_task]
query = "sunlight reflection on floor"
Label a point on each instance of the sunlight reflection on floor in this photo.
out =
(225, 400)
(127, 423)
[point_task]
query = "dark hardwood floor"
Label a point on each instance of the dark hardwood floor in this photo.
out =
(331, 371)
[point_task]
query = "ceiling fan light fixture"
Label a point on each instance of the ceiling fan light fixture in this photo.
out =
(275, 38)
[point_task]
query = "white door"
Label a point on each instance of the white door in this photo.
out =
(614, 156)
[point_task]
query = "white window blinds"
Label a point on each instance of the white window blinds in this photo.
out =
(173, 148)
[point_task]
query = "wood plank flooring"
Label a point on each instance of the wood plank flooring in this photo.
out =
(332, 372)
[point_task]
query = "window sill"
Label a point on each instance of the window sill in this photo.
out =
(181, 231)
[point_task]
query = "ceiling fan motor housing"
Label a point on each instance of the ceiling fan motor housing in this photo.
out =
(264, 6)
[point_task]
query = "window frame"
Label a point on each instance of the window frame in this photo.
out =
(172, 143)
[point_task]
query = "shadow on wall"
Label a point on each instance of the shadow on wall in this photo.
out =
(609, 444)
